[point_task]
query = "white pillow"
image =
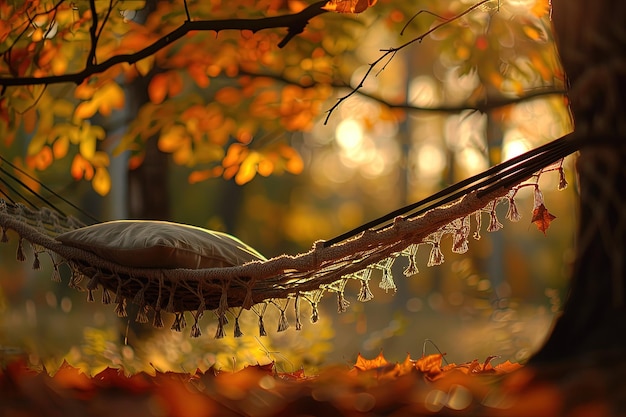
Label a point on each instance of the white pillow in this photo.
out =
(159, 244)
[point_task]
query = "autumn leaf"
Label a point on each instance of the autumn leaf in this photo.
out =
(101, 182)
(348, 6)
(430, 365)
(363, 364)
(541, 216)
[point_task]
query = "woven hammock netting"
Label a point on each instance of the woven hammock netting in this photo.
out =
(463, 211)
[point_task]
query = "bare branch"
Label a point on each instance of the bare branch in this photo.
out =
(484, 106)
(93, 34)
(187, 10)
(294, 22)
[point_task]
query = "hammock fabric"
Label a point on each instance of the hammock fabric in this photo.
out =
(259, 283)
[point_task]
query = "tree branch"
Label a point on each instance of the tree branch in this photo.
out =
(482, 106)
(294, 22)
(93, 34)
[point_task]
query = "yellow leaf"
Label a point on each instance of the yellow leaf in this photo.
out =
(111, 96)
(247, 170)
(173, 138)
(145, 65)
(85, 110)
(87, 146)
(265, 167)
(101, 182)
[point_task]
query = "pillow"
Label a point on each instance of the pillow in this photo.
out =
(158, 244)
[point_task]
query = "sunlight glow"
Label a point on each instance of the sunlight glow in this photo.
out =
(349, 134)
(471, 160)
(514, 144)
(431, 160)
(423, 92)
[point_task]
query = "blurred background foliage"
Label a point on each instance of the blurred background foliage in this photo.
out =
(226, 107)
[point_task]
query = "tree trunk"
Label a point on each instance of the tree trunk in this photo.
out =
(592, 44)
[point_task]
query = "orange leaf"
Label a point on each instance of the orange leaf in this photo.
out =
(81, 168)
(363, 364)
(157, 89)
(348, 6)
(542, 218)
(41, 160)
(70, 377)
(430, 365)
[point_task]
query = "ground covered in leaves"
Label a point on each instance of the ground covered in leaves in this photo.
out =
(413, 387)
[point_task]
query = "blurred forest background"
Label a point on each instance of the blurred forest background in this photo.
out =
(432, 117)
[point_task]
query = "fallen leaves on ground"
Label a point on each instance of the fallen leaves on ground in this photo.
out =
(413, 387)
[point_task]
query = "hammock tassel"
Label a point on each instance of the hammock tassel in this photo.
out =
(36, 263)
(157, 321)
(4, 238)
(387, 282)
(179, 322)
(20, 251)
(411, 269)
(512, 213)
(262, 331)
(237, 332)
(365, 294)
(494, 223)
(195, 329)
(436, 256)
(220, 333)
(297, 311)
(315, 316)
(106, 296)
(283, 324)
(120, 308)
(342, 303)
(460, 242)
(142, 314)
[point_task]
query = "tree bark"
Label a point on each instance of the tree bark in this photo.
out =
(592, 45)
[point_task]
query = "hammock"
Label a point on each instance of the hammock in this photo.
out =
(243, 280)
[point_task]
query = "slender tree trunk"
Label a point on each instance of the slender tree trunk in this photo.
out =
(592, 45)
